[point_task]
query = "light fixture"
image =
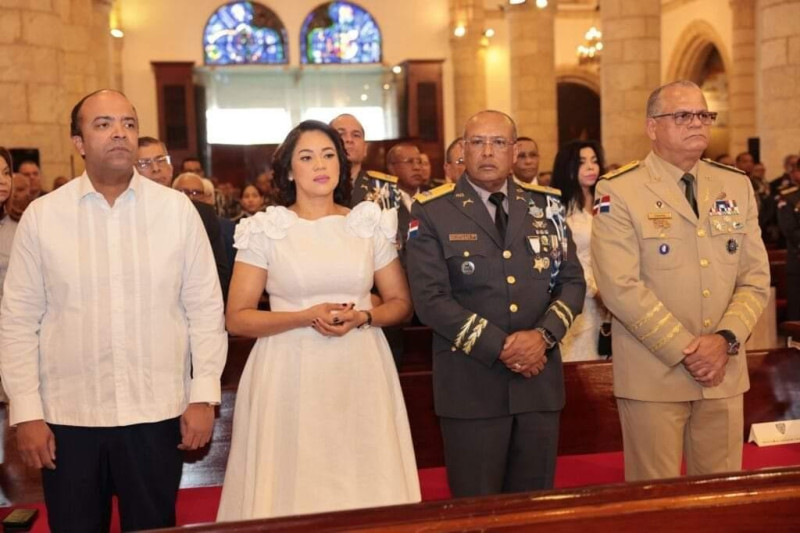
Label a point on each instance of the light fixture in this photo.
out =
(386, 86)
(117, 33)
(364, 97)
(589, 52)
(541, 4)
(460, 31)
(397, 69)
(114, 24)
(489, 33)
(516, 2)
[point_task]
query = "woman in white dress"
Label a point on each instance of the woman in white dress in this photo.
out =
(320, 423)
(577, 166)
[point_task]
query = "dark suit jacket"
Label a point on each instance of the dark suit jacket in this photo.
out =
(209, 217)
(474, 290)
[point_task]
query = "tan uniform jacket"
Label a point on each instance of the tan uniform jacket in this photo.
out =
(668, 277)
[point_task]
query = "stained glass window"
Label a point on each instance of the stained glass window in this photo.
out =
(340, 32)
(244, 33)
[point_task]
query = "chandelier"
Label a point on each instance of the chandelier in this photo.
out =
(589, 52)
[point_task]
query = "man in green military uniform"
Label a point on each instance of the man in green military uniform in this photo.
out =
(493, 272)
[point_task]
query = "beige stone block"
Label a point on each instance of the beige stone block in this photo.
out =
(629, 76)
(780, 20)
(15, 103)
(794, 51)
(75, 39)
(641, 50)
(612, 8)
(44, 137)
(613, 52)
(28, 64)
(32, 5)
(45, 103)
(10, 26)
(624, 28)
(744, 36)
(773, 53)
(780, 83)
(653, 26)
(62, 9)
(636, 99)
(41, 29)
(80, 12)
(77, 63)
(649, 8)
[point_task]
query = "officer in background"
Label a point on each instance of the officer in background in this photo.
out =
(678, 257)
(493, 272)
(789, 223)
(367, 185)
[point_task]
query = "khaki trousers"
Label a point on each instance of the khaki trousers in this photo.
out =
(655, 436)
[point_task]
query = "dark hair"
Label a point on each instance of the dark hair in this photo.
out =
(526, 139)
(565, 171)
(148, 141)
(282, 163)
(253, 185)
(74, 120)
(6, 155)
(741, 155)
(448, 153)
(191, 158)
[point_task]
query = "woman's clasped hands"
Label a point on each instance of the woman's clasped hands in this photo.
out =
(335, 320)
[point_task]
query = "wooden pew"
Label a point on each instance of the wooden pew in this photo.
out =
(750, 501)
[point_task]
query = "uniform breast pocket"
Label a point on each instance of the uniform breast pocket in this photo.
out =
(659, 249)
(468, 268)
(727, 238)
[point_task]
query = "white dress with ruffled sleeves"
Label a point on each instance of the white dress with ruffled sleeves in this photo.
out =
(320, 423)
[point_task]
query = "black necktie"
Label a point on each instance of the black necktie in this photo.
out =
(500, 215)
(688, 181)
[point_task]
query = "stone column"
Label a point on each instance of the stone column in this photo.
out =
(779, 83)
(469, 60)
(743, 76)
(533, 76)
(630, 70)
(49, 51)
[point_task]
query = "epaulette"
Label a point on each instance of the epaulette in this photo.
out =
(620, 171)
(537, 188)
(789, 190)
(381, 176)
(721, 165)
(438, 192)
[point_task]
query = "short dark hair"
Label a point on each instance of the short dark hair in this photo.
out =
(6, 155)
(527, 139)
(742, 154)
(565, 171)
(282, 163)
(74, 121)
(191, 158)
(720, 157)
(450, 147)
(149, 141)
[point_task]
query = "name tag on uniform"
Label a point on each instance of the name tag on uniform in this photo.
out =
(455, 237)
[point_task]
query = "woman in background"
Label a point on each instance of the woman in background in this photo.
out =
(252, 202)
(576, 169)
(320, 422)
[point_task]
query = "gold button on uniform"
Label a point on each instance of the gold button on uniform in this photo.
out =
(706, 293)
(513, 308)
(506, 254)
(707, 323)
(701, 232)
(511, 280)
(466, 253)
(704, 262)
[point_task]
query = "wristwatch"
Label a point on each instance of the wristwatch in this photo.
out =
(549, 339)
(730, 338)
(368, 323)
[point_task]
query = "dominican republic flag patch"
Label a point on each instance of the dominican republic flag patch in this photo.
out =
(602, 205)
(413, 227)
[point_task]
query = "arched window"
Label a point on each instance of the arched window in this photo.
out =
(340, 32)
(244, 33)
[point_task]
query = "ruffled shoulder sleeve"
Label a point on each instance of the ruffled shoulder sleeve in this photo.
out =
(367, 220)
(254, 234)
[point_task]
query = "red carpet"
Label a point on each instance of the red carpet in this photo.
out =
(199, 505)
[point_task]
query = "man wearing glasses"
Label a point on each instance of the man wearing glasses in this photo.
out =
(454, 161)
(678, 257)
(493, 272)
(153, 161)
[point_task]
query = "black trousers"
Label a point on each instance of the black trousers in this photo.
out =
(140, 464)
(515, 453)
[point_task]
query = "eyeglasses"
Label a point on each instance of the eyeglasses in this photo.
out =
(497, 143)
(682, 118)
(145, 164)
(192, 193)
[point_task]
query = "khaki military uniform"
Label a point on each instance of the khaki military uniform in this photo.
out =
(474, 288)
(669, 276)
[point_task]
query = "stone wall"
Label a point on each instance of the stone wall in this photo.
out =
(52, 52)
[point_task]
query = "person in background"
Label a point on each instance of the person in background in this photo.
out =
(30, 169)
(789, 223)
(454, 161)
(320, 423)
(8, 226)
(192, 164)
(785, 179)
(59, 181)
(577, 166)
(252, 202)
(20, 197)
(426, 171)
(153, 161)
(266, 184)
(526, 166)
(724, 159)
(545, 178)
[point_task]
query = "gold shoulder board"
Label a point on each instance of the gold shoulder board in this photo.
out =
(789, 190)
(381, 176)
(537, 188)
(620, 171)
(726, 167)
(438, 192)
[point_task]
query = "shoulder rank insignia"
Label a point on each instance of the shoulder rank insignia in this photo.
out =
(537, 188)
(620, 171)
(789, 190)
(381, 176)
(726, 167)
(437, 192)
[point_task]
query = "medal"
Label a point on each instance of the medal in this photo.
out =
(468, 268)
